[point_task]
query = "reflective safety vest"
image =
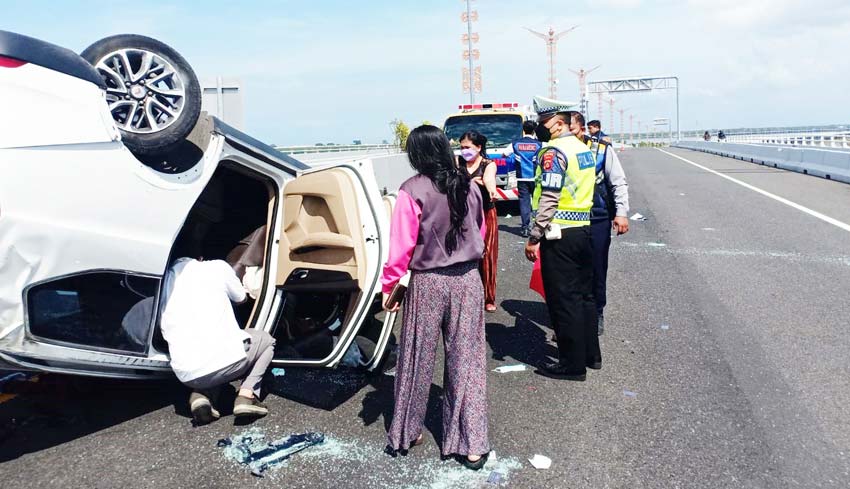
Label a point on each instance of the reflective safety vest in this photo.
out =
(565, 164)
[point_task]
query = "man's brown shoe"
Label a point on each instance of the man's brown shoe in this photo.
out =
(202, 409)
(249, 406)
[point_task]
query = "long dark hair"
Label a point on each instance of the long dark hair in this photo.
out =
(477, 139)
(430, 154)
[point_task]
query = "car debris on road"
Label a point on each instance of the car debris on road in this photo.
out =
(250, 449)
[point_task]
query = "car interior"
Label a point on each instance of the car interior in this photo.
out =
(233, 206)
(321, 266)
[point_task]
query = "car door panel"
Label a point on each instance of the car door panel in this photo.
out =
(329, 244)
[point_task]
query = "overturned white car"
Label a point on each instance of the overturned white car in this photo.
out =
(109, 172)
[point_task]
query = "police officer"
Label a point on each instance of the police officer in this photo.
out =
(566, 177)
(610, 209)
(521, 152)
(594, 127)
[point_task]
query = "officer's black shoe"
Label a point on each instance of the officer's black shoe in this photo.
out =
(525, 232)
(555, 370)
(594, 364)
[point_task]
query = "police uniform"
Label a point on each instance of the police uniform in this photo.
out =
(563, 197)
(523, 151)
(610, 199)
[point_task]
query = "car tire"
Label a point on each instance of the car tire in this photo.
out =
(153, 93)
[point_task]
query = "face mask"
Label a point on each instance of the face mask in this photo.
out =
(469, 154)
(542, 133)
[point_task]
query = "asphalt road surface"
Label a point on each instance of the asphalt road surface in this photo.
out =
(725, 365)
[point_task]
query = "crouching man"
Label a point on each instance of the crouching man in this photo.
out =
(207, 347)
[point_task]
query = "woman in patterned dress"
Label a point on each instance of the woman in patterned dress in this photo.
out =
(437, 233)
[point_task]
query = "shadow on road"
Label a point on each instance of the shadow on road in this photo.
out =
(525, 341)
(506, 207)
(58, 408)
(322, 388)
(515, 230)
(379, 403)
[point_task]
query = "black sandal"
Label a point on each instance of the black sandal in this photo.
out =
(392, 452)
(469, 464)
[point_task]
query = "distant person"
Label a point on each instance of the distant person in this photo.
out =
(522, 152)
(706, 136)
(437, 233)
(610, 210)
(206, 345)
(594, 127)
(482, 171)
(721, 136)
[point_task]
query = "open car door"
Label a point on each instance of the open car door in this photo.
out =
(332, 242)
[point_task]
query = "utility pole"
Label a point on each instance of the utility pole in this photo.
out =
(551, 50)
(631, 127)
(611, 102)
(582, 87)
(472, 74)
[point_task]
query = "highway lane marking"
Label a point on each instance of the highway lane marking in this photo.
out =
(733, 253)
(822, 217)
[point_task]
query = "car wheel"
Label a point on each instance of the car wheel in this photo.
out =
(152, 92)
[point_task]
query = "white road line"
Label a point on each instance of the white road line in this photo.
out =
(822, 217)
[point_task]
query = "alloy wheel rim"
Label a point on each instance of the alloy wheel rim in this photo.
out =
(145, 93)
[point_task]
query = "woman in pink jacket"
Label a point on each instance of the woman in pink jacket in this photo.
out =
(437, 233)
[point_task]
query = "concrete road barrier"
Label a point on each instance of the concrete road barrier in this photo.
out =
(825, 163)
(391, 171)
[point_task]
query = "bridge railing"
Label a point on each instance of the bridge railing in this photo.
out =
(831, 164)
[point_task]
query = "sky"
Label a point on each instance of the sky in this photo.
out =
(336, 71)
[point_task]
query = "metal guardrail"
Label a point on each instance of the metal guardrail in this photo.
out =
(338, 148)
(826, 163)
(831, 136)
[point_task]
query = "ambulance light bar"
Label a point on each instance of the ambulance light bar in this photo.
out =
(488, 106)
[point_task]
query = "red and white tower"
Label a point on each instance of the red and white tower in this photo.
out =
(599, 111)
(622, 125)
(471, 74)
(582, 87)
(551, 50)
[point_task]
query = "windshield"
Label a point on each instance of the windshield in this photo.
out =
(500, 129)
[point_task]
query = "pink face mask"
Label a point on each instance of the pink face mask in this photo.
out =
(469, 154)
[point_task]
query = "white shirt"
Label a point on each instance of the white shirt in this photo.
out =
(198, 321)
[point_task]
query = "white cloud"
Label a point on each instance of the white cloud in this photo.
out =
(777, 16)
(618, 4)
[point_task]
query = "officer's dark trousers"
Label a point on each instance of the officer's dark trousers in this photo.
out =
(526, 189)
(567, 269)
(601, 238)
